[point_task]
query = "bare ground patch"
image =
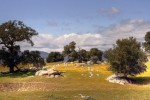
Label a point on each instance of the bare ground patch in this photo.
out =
(28, 86)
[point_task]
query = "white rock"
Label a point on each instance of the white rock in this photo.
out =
(42, 72)
(116, 79)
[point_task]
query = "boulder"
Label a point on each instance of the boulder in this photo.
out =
(118, 79)
(41, 73)
(50, 72)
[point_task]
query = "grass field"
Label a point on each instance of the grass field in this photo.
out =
(77, 80)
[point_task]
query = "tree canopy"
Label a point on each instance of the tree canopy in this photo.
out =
(32, 57)
(147, 42)
(126, 57)
(95, 55)
(70, 50)
(11, 33)
(54, 57)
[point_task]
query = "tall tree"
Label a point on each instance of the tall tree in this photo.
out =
(126, 57)
(11, 33)
(95, 54)
(70, 50)
(147, 42)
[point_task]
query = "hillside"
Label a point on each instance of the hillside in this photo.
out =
(77, 80)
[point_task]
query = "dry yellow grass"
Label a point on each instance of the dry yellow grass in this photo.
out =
(147, 73)
(76, 80)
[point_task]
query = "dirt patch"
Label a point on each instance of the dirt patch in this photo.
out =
(28, 86)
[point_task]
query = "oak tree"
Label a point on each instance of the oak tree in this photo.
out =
(11, 33)
(126, 58)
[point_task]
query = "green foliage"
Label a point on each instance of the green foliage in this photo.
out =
(95, 54)
(146, 44)
(82, 55)
(108, 53)
(32, 57)
(54, 57)
(11, 33)
(94, 59)
(72, 46)
(73, 56)
(126, 57)
(70, 50)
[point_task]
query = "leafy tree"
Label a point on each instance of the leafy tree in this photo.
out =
(108, 52)
(72, 46)
(70, 50)
(82, 55)
(11, 33)
(32, 57)
(126, 57)
(147, 42)
(73, 56)
(95, 54)
(54, 57)
(94, 59)
(66, 50)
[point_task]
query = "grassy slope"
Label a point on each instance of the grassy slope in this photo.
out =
(76, 81)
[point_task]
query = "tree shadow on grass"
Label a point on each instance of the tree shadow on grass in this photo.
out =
(17, 74)
(142, 80)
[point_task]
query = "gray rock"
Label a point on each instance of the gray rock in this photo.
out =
(117, 79)
(41, 73)
(50, 72)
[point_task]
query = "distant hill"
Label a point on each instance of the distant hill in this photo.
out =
(44, 54)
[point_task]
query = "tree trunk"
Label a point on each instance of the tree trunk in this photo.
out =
(11, 69)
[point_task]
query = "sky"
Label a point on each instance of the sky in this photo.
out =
(90, 23)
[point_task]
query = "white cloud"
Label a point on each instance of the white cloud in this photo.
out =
(133, 27)
(48, 43)
(103, 39)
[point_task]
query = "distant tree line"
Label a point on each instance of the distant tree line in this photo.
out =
(76, 54)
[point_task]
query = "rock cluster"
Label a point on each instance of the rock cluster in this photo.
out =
(49, 72)
(117, 79)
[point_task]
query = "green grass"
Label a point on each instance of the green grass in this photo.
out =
(76, 81)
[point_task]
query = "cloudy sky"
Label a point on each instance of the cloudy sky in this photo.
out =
(90, 23)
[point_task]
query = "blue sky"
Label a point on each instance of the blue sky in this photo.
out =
(57, 18)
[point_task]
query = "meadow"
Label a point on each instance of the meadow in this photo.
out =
(77, 79)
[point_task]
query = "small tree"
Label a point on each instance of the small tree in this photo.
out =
(11, 33)
(126, 57)
(54, 57)
(95, 54)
